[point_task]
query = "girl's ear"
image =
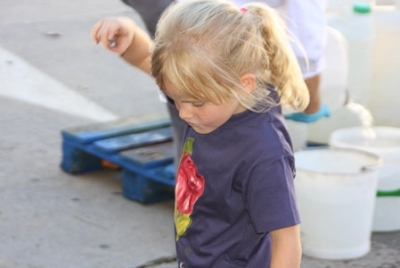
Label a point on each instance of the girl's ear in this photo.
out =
(248, 82)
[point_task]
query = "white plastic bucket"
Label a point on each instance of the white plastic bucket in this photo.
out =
(298, 133)
(336, 196)
(345, 116)
(385, 142)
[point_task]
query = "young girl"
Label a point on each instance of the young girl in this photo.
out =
(227, 70)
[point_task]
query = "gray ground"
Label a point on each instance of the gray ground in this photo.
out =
(52, 219)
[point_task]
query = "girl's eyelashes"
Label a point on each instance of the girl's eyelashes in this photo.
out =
(194, 103)
(198, 103)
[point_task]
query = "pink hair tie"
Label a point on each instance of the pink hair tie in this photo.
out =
(243, 9)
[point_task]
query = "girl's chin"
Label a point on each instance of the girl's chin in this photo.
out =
(202, 130)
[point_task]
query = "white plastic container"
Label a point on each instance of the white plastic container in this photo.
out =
(336, 196)
(298, 133)
(351, 114)
(335, 6)
(385, 97)
(356, 26)
(385, 142)
(333, 86)
(356, 23)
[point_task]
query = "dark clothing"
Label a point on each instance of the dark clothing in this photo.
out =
(242, 175)
(150, 11)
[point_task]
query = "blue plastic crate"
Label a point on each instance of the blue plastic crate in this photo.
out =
(143, 151)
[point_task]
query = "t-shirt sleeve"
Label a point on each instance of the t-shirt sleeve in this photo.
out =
(269, 195)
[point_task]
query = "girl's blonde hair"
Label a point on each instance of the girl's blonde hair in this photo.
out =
(203, 47)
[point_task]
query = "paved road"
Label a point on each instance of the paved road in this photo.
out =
(53, 77)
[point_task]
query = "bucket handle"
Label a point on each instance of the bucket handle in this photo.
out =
(388, 193)
(369, 168)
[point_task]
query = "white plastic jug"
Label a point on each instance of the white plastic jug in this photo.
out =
(357, 25)
(385, 97)
(333, 86)
(351, 114)
(336, 196)
(337, 5)
(385, 142)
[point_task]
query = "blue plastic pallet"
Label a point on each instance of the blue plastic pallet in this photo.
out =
(143, 151)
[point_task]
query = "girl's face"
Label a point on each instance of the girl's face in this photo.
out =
(203, 117)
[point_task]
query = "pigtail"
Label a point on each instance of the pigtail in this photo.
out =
(281, 64)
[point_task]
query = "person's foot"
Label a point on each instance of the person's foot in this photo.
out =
(324, 111)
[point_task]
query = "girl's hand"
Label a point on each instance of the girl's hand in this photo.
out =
(115, 34)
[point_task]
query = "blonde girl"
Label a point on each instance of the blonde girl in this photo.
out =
(228, 71)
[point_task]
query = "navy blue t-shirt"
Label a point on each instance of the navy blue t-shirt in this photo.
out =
(234, 186)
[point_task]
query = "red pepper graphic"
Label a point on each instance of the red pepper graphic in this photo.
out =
(188, 188)
(189, 185)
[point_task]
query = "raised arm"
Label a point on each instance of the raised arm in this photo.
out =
(123, 36)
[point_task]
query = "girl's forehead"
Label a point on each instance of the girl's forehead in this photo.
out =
(190, 92)
(174, 93)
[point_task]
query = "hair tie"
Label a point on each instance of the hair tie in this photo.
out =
(243, 9)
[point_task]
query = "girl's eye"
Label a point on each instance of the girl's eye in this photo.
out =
(198, 103)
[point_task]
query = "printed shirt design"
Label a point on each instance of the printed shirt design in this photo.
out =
(188, 188)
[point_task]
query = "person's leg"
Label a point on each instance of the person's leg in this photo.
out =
(178, 126)
(150, 11)
(313, 84)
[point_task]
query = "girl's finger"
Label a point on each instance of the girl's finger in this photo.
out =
(95, 30)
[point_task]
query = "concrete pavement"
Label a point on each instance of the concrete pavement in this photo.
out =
(53, 77)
